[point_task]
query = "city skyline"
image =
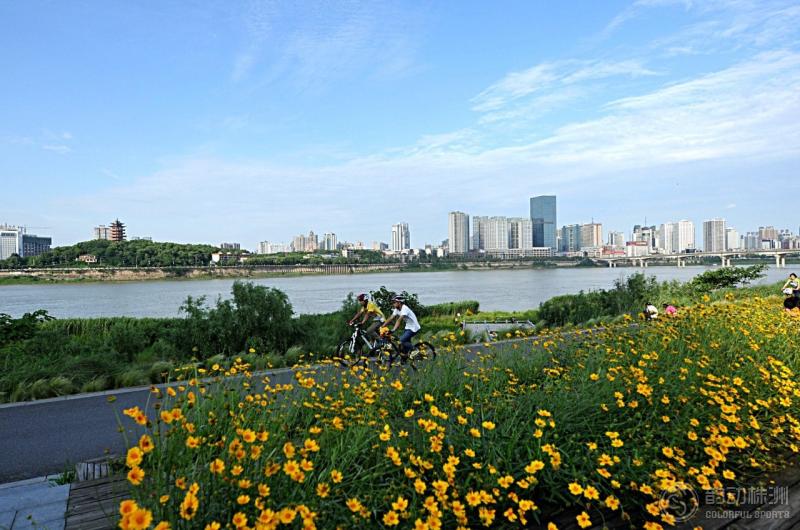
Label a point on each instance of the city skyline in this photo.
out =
(280, 116)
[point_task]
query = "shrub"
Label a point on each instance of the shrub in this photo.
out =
(98, 384)
(159, 371)
(293, 355)
(132, 377)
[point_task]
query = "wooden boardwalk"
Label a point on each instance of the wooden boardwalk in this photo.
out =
(94, 505)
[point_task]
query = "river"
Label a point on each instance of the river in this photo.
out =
(495, 290)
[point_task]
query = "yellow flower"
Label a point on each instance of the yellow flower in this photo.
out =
(400, 504)
(139, 519)
(163, 525)
(323, 489)
(239, 520)
(354, 505)
(146, 444)
(287, 515)
(488, 425)
(336, 476)
(192, 442)
(243, 499)
(189, 506)
(575, 488)
(135, 476)
(473, 498)
(591, 493)
(127, 507)
(612, 502)
(217, 466)
(391, 519)
(134, 457)
(475, 433)
(583, 520)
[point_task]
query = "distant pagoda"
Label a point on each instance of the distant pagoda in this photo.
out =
(117, 231)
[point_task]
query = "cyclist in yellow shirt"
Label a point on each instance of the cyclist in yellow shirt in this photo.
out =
(369, 309)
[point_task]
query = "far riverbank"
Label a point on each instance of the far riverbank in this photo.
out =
(509, 289)
(140, 274)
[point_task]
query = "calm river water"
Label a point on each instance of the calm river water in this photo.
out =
(495, 290)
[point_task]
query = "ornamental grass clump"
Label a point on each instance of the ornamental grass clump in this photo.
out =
(548, 431)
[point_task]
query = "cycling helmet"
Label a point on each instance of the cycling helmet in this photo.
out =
(363, 297)
(399, 298)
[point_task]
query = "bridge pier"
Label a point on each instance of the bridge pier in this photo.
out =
(780, 261)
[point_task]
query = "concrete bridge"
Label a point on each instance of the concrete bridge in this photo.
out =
(681, 259)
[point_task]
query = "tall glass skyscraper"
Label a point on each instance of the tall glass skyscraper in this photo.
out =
(543, 216)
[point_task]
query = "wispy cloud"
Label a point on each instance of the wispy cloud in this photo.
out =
(548, 84)
(57, 148)
(311, 43)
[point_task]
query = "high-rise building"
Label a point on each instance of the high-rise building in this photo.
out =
(683, 236)
(230, 246)
(520, 233)
(767, 233)
(299, 243)
(479, 226)
(497, 234)
(9, 241)
(570, 238)
(458, 232)
(591, 235)
(616, 239)
(16, 240)
(732, 239)
(714, 235)
(401, 237)
(312, 242)
(265, 247)
(33, 245)
(666, 236)
(117, 231)
(329, 241)
(543, 215)
(645, 234)
(102, 232)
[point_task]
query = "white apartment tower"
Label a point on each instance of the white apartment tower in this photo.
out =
(401, 237)
(714, 235)
(732, 241)
(458, 232)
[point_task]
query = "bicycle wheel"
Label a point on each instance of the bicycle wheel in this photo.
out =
(348, 353)
(385, 353)
(420, 352)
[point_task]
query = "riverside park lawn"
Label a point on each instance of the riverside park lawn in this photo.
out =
(617, 423)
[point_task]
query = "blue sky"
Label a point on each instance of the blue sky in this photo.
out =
(250, 121)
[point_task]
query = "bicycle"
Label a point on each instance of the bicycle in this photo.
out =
(390, 350)
(353, 350)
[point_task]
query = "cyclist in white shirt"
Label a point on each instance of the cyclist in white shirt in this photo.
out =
(404, 313)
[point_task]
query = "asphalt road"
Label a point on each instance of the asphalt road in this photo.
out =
(51, 435)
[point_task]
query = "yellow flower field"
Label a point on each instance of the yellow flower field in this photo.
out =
(525, 434)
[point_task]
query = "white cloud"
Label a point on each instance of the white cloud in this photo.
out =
(548, 85)
(57, 148)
